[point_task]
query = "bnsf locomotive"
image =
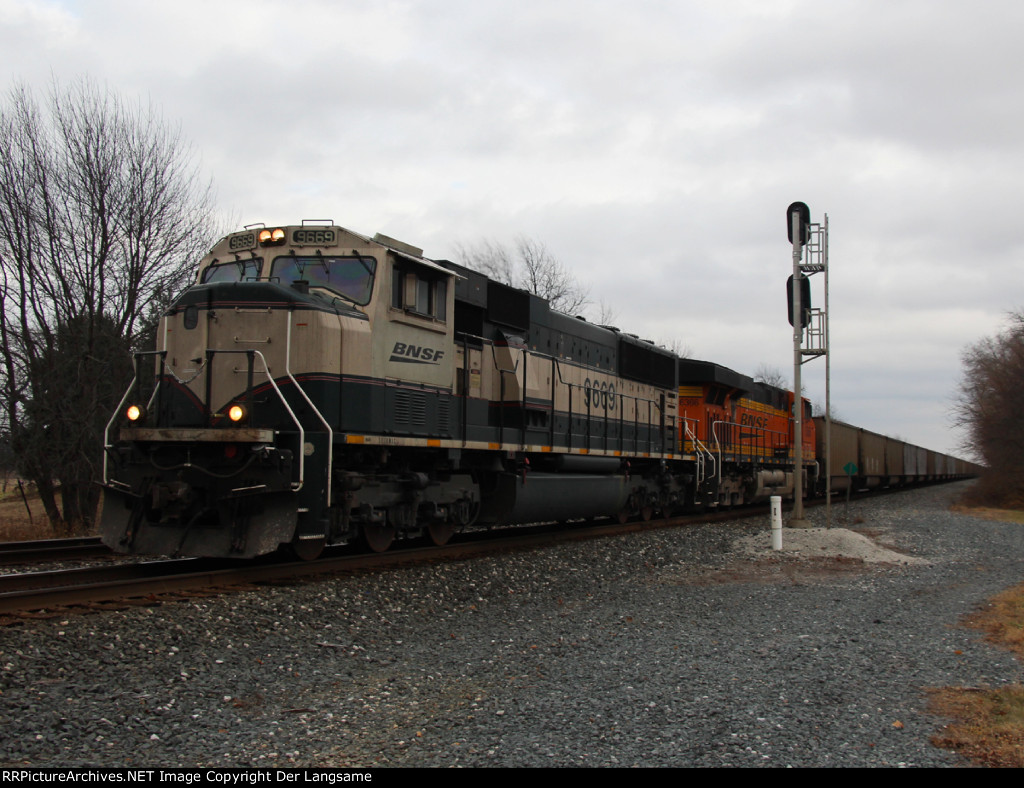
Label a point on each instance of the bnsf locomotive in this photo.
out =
(316, 386)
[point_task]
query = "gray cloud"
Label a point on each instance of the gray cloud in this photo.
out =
(652, 146)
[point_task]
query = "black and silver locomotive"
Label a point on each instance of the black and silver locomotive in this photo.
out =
(316, 385)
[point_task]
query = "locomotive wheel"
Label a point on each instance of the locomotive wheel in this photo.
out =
(646, 513)
(307, 549)
(378, 537)
(441, 532)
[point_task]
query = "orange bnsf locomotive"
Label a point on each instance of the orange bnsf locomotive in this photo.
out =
(317, 386)
(744, 429)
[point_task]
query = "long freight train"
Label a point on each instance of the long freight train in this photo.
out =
(316, 386)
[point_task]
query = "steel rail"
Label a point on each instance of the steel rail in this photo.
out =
(39, 550)
(151, 579)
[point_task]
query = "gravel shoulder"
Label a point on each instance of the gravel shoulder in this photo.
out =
(696, 646)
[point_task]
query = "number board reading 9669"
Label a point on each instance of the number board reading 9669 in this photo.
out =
(242, 241)
(317, 237)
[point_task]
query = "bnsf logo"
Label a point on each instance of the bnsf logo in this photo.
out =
(415, 354)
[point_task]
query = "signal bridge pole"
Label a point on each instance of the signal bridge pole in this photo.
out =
(817, 344)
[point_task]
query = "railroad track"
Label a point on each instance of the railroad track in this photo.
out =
(34, 591)
(45, 550)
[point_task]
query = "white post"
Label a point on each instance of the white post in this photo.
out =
(776, 501)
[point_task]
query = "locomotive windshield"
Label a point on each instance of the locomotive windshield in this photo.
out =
(240, 271)
(349, 277)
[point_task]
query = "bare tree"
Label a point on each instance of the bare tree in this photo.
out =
(677, 346)
(531, 267)
(988, 404)
(606, 313)
(488, 257)
(102, 213)
(7, 463)
(818, 409)
(546, 276)
(773, 376)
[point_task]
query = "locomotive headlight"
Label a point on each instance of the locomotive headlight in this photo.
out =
(237, 414)
(273, 237)
(135, 413)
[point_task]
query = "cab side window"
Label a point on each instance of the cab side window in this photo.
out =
(419, 291)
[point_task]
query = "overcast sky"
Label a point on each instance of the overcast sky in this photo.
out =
(651, 145)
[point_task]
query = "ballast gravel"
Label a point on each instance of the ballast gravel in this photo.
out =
(695, 646)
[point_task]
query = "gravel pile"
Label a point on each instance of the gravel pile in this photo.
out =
(685, 647)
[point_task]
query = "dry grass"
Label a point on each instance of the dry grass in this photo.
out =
(989, 723)
(15, 523)
(997, 491)
(1003, 620)
(989, 727)
(988, 513)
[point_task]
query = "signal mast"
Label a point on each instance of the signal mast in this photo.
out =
(810, 339)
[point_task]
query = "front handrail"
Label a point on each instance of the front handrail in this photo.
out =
(703, 454)
(315, 409)
(210, 353)
(115, 416)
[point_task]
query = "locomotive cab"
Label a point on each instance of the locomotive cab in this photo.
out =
(413, 338)
(225, 441)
